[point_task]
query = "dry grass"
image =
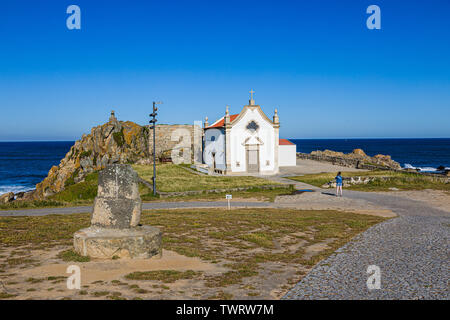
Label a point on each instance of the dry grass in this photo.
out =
(399, 180)
(173, 178)
(255, 250)
(167, 276)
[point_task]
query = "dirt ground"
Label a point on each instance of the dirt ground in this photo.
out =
(219, 254)
(328, 201)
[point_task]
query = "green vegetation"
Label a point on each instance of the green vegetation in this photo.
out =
(167, 276)
(71, 180)
(41, 232)
(79, 192)
(399, 180)
(85, 154)
(119, 138)
(173, 178)
(31, 204)
(70, 255)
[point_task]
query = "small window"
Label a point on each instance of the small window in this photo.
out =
(252, 126)
(213, 138)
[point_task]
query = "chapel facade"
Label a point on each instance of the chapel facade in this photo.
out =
(247, 142)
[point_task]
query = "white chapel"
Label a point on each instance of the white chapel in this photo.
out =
(247, 142)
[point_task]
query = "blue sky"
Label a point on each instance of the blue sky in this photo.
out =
(328, 75)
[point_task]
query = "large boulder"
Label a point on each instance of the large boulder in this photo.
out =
(359, 152)
(7, 197)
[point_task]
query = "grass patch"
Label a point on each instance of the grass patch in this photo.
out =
(70, 255)
(31, 204)
(45, 231)
(173, 178)
(167, 276)
(100, 293)
(82, 191)
(399, 180)
(170, 178)
(4, 295)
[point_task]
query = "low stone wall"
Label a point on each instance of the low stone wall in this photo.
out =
(187, 193)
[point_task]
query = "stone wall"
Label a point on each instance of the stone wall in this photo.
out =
(170, 137)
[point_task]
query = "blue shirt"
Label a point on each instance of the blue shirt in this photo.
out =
(338, 179)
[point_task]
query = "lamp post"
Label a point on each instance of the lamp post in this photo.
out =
(153, 126)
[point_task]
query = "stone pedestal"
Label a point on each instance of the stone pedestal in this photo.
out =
(138, 242)
(115, 229)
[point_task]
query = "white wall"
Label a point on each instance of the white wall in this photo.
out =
(287, 156)
(217, 146)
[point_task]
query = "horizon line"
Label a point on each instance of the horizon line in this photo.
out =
(353, 138)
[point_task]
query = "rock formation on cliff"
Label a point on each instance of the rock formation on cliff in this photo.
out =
(354, 159)
(113, 142)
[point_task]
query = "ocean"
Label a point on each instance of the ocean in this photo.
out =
(24, 164)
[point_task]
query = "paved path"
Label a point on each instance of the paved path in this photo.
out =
(412, 252)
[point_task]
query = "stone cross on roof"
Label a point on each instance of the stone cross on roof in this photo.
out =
(252, 101)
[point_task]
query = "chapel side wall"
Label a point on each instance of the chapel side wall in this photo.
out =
(217, 146)
(238, 135)
(287, 155)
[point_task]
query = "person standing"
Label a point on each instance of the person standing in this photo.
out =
(338, 184)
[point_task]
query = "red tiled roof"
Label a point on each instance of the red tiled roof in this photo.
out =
(285, 142)
(219, 124)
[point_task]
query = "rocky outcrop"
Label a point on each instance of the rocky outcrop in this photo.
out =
(356, 159)
(113, 142)
(7, 197)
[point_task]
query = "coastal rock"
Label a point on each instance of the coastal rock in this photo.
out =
(359, 152)
(25, 196)
(356, 159)
(113, 142)
(7, 197)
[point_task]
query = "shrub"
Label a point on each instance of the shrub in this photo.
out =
(119, 138)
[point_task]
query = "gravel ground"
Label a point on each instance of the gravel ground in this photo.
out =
(411, 251)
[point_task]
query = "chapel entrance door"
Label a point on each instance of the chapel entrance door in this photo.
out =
(253, 159)
(214, 160)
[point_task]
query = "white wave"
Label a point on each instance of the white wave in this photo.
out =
(14, 188)
(424, 169)
(408, 166)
